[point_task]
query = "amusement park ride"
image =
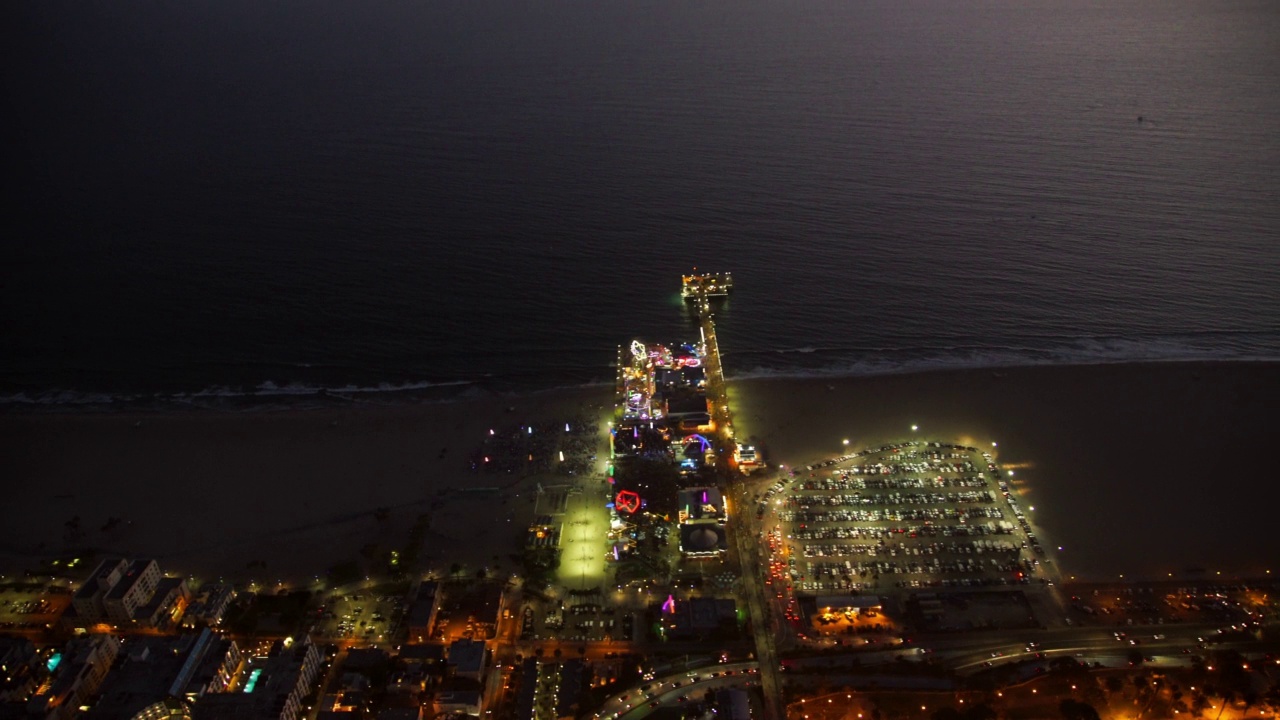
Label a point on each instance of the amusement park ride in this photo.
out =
(658, 389)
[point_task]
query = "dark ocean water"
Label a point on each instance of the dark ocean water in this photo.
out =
(230, 197)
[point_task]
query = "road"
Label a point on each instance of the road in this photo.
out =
(763, 622)
(972, 651)
(637, 702)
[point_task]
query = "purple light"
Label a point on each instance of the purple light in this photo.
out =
(669, 606)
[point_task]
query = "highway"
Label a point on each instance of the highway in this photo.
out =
(975, 651)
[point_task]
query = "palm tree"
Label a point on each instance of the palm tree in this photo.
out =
(1228, 696)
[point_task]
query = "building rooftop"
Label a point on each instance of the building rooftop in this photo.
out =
(701, 503)
(131, 578)
(698, 616)
(703, 537)
(467, 655)
(422, 606)
(163, 588)
(93, 584)
(422, 652)
(857, 602)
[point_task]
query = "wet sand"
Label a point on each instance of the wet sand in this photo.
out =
(1138, 469)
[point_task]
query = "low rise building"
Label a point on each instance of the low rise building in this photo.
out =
(702, 515)
(465, 702)
(703, 539)
(167, 604)
(470, 610)
(400, 713)
(468, 659)
(733, 704)
(273, 689)
(135, 588)
(84, 665)
(22, 669)
(128, 593)
(209, 605)
(698, 618)
(420, 618)
(88, 600)
(159, 676)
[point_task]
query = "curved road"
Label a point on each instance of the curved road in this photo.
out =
(636, 702)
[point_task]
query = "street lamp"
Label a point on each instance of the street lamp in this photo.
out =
(915, 428)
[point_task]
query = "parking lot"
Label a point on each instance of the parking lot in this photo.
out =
(578, 617)
(365, 616)
(31, 608)
(903, 516)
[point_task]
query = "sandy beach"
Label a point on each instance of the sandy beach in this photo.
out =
(1138, 469)
(290, 492)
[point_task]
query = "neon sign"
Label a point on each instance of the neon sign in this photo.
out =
(627, 501)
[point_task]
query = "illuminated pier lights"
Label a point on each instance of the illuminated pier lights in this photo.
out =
(701, 285)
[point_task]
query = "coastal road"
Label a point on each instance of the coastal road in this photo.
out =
(762, 623)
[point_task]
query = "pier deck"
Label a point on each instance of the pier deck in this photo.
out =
(699, 293)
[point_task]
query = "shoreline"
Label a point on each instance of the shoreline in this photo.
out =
(283, 399)
(239, 486)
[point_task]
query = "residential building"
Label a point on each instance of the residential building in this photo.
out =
(273, 689)
(420, 618)
(21, 669)
(122, 592)
(85, 664)
(209, 605)
(468, 658)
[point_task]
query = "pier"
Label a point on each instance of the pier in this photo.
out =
(698, 289)
(700, 286)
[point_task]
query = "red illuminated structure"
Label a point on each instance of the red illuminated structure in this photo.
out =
(627, 501)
